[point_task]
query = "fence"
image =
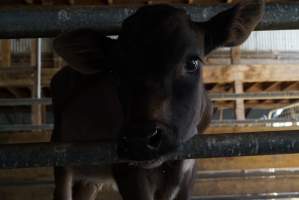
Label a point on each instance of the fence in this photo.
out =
(20, 22)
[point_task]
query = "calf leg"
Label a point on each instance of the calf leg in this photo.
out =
(186, 186)
(132, 183)
(63, 184)
(85, 191)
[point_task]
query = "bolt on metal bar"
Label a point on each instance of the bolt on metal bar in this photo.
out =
(200, 146)
(48, 21)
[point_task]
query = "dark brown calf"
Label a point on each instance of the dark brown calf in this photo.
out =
(143, 91)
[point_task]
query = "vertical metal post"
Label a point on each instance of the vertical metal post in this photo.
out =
(36, 90)
(38, 68)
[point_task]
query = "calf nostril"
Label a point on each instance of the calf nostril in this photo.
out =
(154, 140)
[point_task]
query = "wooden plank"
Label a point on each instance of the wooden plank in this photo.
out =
(20, 78)
(25, 137)
(250, 73)
(244, 129)
(46, 193)
(25, 193)
(29, 174)
(250, 162)
(219, 74)
(246, 186)
(6, 53)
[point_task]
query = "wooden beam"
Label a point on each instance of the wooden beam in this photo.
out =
(239, 104)
(235, 55)
(6, 53)
(289, 86)
(244, 129)
(250, 162)
(243, 186)
(270, 86)
(213, 74)
(252, 87)
(250, 73)
(238, 84)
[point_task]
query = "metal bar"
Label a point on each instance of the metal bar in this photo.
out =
(251, 121)
(270, 196)
(48, 21)
(26, 183)
(214, 123)
(38, 68)
(24, 101)
(25, 127)
(254, 96)
(200, 146)
(247, 173)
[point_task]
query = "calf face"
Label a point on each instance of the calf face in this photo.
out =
(161, 85)
(157, 63)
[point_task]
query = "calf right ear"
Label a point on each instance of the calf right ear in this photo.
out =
(86, 51)
(233, 26)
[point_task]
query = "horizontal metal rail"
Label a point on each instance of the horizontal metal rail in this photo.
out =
(214, 123)
(247, 173)
(24, 101)
(25, 127)
(254, 96)
(200, 146)
(234, 122)
(213, 96)
(48, 21)
(270, 196)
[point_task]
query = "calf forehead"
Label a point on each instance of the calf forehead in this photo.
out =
(159, 34)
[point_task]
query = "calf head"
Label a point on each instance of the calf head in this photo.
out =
(157, 61)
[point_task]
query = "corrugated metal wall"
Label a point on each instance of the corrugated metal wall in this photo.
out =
(272, 41)
(23, 46)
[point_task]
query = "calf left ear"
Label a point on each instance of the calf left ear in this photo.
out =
(86, 51)
(233, 26)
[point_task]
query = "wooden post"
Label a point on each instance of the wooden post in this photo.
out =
(221, 113)
(36, 109)
(6, 52)
(235, 55)
(239, 106)
(238, 84)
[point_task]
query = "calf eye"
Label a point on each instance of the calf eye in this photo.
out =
(192, 65)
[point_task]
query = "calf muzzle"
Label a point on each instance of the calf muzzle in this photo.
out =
(144, 141)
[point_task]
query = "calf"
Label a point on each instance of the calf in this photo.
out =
(144, 91)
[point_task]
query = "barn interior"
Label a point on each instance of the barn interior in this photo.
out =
(254, 88)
